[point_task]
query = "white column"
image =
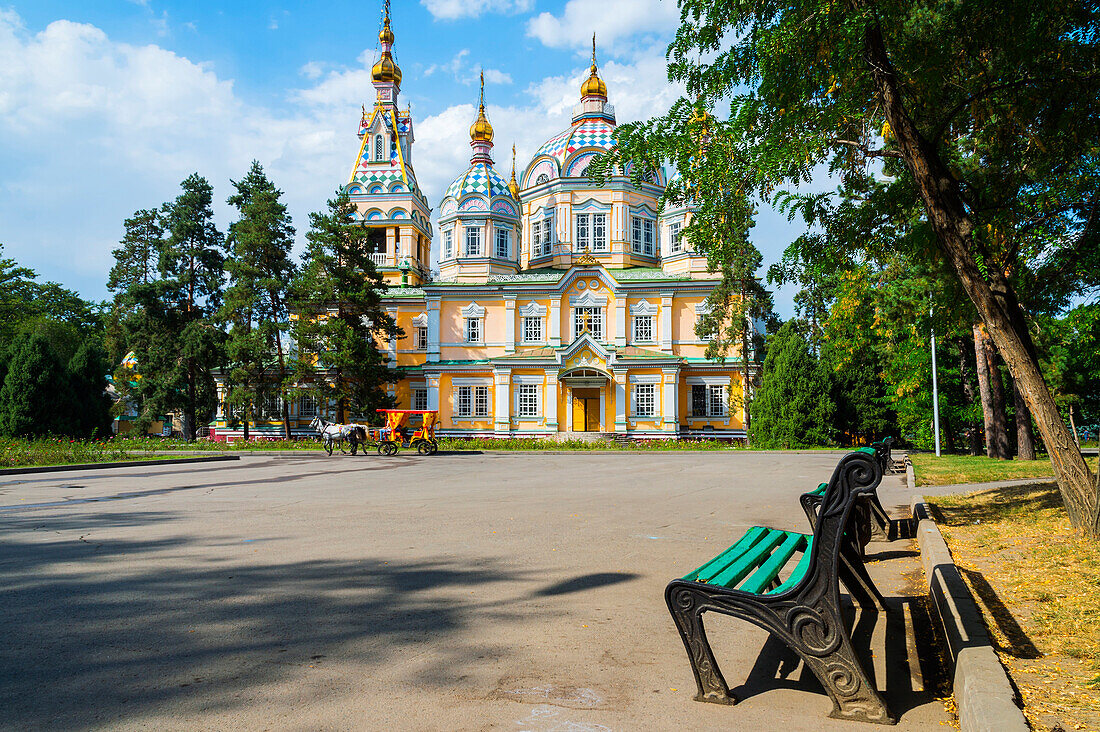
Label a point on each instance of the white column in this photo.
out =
(555, 323)
(620, 320)
(392, 312)
(433, 306)
(509, 323)
(621, 402)
(666, 321)
(550, 401)
(433, 392)
(669, 410)
(502, 402)
(569, 409)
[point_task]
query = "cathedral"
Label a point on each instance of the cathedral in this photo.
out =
(557, 306)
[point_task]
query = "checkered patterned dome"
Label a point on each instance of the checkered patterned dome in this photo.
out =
(588, 133)
(480, 178)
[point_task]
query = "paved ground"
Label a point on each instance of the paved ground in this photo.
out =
(467, 591)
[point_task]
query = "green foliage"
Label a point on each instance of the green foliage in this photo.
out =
(255, 308)
(37, 397)
(793, 406)
(337, 300)
(91, 407)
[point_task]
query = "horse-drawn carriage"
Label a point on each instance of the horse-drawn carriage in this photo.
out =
(396, 433)
(388, 439)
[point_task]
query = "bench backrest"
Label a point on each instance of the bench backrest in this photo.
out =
(857, 473)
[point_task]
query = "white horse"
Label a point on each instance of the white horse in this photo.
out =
(333, 434)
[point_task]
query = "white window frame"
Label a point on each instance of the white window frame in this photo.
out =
(421, 343)
(643, 234)
(590, 232)
(448, 244)
(471, 401)
(643, 400)
(542, 230)
(418, 398)
(675, 245)
(528, 401)
(646, 334)
(307, 406)
(473, 241)
(503, 236)
(531, 329)
(715, 392)
(595, 318)
(379, 148)
(474, 332)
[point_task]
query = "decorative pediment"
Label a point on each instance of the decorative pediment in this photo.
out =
(473, 310)
(585, 347)
(532, 309)
(420, 321)
(643, 308)
(588, 299)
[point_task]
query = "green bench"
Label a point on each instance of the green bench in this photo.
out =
(789, 584)
(874, 522)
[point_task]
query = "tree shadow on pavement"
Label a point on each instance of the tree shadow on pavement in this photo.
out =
(104, 631)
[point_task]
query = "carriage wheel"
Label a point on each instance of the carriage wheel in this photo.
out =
(424, 447)
(387, 448)
(435, 447)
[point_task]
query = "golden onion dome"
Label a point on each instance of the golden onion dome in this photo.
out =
(386, 35)
(513, 187)
(593, 86)
(481, 130)
(386, 69)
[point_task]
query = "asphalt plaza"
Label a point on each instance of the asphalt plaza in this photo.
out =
(463, 591)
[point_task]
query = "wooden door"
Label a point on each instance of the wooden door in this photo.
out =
(586, 410)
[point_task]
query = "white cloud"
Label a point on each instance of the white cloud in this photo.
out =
(454, 9)
(92, 129)
(613, 21)
(496, 76)
(465, 73)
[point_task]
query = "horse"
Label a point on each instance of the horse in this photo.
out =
(333, 434)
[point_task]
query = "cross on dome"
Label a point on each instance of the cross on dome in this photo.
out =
(593, 86)
(386, 70)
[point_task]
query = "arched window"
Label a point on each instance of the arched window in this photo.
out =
(378, 147)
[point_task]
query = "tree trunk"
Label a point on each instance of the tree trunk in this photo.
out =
(1025, 438)
(1001, 445)
(282, 368)
(244, 432)
(995, 299)
(973, 434)
(993, 398)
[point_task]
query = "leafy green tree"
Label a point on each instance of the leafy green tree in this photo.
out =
(339, 319)
(138, 255)
(793, 406)
(191, 266)
(260, 271)
(984, 114)
(37, 397)
(90, 407)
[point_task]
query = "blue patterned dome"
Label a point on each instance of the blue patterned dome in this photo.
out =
(481, 178)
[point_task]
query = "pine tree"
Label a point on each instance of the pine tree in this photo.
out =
(138, 255)
(793, 406)
(260, 271)
(36, 398)
(191, 262)
(88, 368)
(337, 301)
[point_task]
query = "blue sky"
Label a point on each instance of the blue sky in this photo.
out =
(105, 106)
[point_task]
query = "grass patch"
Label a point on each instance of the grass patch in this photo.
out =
(1038, 584)
(951, 469)
(29, 453)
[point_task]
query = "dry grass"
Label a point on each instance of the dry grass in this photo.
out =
(1038, 583)
(951, 469)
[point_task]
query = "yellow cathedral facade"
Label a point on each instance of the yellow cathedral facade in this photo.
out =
(558, 307)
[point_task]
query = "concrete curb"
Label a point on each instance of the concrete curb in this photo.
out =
(124, 464)
(983, 692)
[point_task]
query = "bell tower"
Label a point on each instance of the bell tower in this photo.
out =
(383, 185)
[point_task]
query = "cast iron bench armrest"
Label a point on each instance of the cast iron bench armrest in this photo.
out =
(873, 522)
(803, 609)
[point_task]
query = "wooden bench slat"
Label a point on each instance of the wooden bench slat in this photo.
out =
(750, 560)
(799, 572)
(768, 571)
(723, 560)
